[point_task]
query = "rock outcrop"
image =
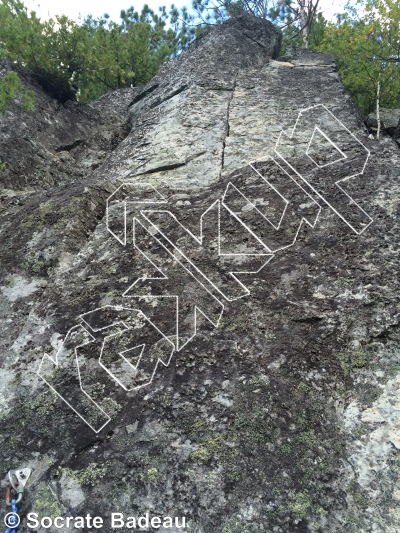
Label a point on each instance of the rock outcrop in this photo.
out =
(275, 404)
(390, 123)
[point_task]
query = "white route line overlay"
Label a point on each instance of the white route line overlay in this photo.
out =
(126, 329)
(291, 136)
(56, 363)
(162, 200)
(200, 240)
(176, 298)
(83, 329)
(302, 220)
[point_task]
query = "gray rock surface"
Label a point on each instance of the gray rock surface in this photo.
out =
(390, 122)
(58, 144)
(282, 418)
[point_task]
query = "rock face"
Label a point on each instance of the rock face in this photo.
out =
(274, 404)
(390, 122)
(58, 144)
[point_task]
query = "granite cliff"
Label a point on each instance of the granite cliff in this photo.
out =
(235, 358)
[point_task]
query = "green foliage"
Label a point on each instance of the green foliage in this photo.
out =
(129, 53)
(291, 36)
(91, 475)
(86, 60)
(71, 60)
(49, 50)
(317, 31)
(296, 18)
(365, 42)
(152, 474)
(10, 86)
(216, 11)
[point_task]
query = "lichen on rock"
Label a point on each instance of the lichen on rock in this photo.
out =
(278, 414)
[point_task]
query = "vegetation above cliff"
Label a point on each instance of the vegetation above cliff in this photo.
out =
(88, 59)
(365, 41)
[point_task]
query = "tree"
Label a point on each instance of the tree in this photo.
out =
(130, 52)
(306, 11)
(50, 51)
(10, 87)
(296, 16)
(100, 55)
(366, 44)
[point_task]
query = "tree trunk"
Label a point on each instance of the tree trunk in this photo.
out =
(378, 116)
(304, 20)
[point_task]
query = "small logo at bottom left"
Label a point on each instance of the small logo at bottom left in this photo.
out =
(12, 520)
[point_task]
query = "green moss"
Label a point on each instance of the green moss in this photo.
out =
(300, 504)
(92, 474)
(234, 324)
(207, 450)
(352, 360)
(303, 387)
(199, 426)
(142, 291)
(36, 220)
(41, 407)
(233, 474)
(345, 283)
(215, 447)
(109, 271)
(297, 446)
(256, 427)
(110, 406)
(234, 525)
(96, 391)
(259, 379)
(36, 264)
(53, 215)
(46, 503)
(227, 325)
(152, 474)
(308, 438)
(358, 496)
(284, 449)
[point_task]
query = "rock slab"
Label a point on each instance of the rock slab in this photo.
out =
(274, 406)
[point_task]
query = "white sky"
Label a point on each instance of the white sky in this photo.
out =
(74, 8)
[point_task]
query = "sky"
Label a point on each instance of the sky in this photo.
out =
(75, 8)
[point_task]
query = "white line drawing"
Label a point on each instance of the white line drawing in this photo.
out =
(142, 194)
(320, 132)
(287, 203)
(284, 140)
(200, 276)
(153, 224)
(127, 329)
(140, 247)
(47, 365)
